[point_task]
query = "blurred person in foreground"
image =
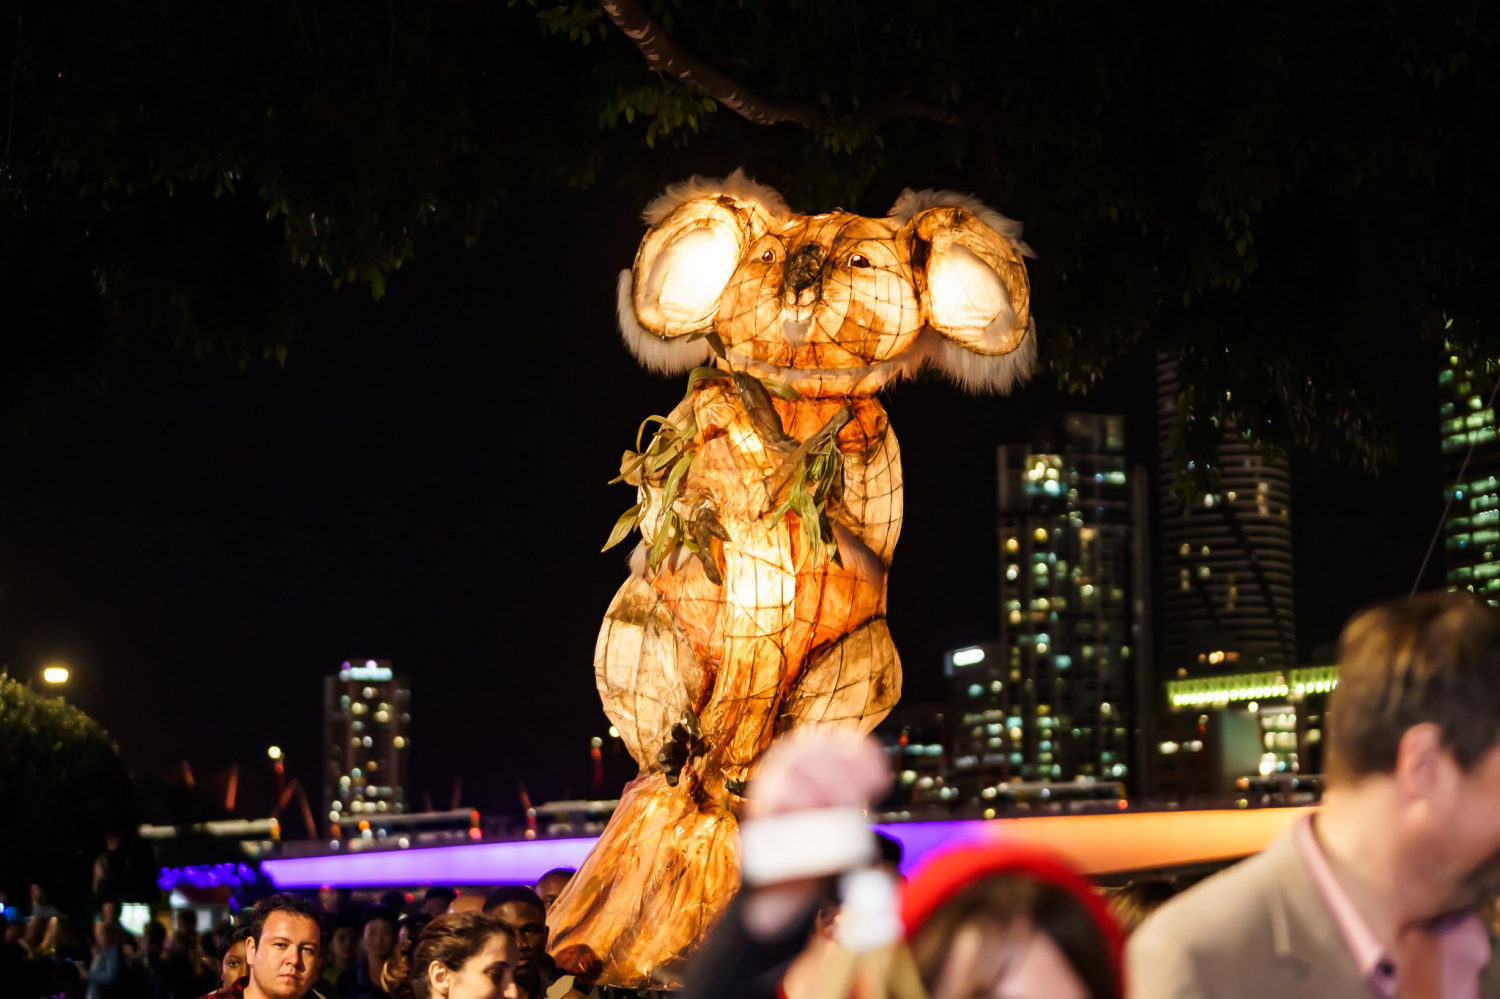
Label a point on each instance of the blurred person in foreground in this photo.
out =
(464, 956)
(990, 919)
(1139, 898)
(1377, 894)
(378, 939)
(520, 909)
(281, 951)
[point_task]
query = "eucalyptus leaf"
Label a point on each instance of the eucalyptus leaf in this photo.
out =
(780, 389)
(623, 527)
(667, 536)
(674, 478)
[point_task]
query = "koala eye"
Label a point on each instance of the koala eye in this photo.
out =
(859, 260)
(768, 256)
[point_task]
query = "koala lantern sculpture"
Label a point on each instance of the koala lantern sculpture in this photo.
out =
(770, 504)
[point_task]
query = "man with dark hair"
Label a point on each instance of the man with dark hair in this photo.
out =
(435, 903)
(1377, 894)
(378, 936)
(522, 910)
(281, 950)
(551, 884)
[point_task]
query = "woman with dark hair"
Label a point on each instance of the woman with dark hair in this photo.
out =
(232, 966)
(467, 955)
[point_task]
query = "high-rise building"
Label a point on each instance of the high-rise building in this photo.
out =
(1471, 478)
(1054, 699)
(1226, 557)
(366, 715)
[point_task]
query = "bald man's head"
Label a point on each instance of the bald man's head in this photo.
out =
(467, 902)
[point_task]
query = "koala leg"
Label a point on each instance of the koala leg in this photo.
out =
(854, 684)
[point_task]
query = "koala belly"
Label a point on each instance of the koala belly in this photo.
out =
(789, 637)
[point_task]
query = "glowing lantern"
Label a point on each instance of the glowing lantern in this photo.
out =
(770, 501)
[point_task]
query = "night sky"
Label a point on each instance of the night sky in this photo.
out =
(425, 481)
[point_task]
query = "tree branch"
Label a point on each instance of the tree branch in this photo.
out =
(15, 68)
(665, 56)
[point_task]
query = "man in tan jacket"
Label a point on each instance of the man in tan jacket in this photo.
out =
(1377, 894)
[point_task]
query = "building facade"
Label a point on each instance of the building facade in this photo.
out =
(1225, 557)
(1052, 700)
(366, 717)
(1222, 732)
(1471, 476)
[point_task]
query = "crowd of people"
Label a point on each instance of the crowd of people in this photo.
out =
(1385, 891)
(355, 949)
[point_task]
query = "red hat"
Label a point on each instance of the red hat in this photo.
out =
(942, 877)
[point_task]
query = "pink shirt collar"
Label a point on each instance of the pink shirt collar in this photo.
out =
(1464, 943)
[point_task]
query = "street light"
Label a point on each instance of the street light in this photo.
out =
(57, 675)
(274, 752)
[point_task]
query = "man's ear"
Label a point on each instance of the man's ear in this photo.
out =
(971, 280)
(699, 231)
(1419, 760)
(249, 951)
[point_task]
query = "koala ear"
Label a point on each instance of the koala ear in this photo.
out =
(699, 231)
(976, 299)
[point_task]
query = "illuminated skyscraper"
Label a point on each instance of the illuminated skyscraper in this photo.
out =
(1226, 558)
(366, 715)
(1054, 698)
(1471, 533)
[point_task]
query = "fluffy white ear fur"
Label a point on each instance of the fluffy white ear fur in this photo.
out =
(736, 185)
(665, 357)
(911, 203)
(981, 372)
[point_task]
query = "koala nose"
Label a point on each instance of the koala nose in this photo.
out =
(804, 269)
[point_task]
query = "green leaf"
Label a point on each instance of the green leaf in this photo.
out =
(780, 389)
(627, 471)
(699, 375)
(623, 527)
(667, 536)
(674, 478)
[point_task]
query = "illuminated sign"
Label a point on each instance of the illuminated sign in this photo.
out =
(371, 670)
(968, 657)
(1232, 688)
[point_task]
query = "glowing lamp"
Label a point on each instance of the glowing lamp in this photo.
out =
(55, 675)
(274, 752)
(768, 505)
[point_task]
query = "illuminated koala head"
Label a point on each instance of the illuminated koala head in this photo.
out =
(835, 304)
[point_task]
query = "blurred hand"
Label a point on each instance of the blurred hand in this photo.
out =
(813, 769)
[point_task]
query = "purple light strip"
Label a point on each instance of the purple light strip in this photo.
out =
(524, 861)
(471, 864)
